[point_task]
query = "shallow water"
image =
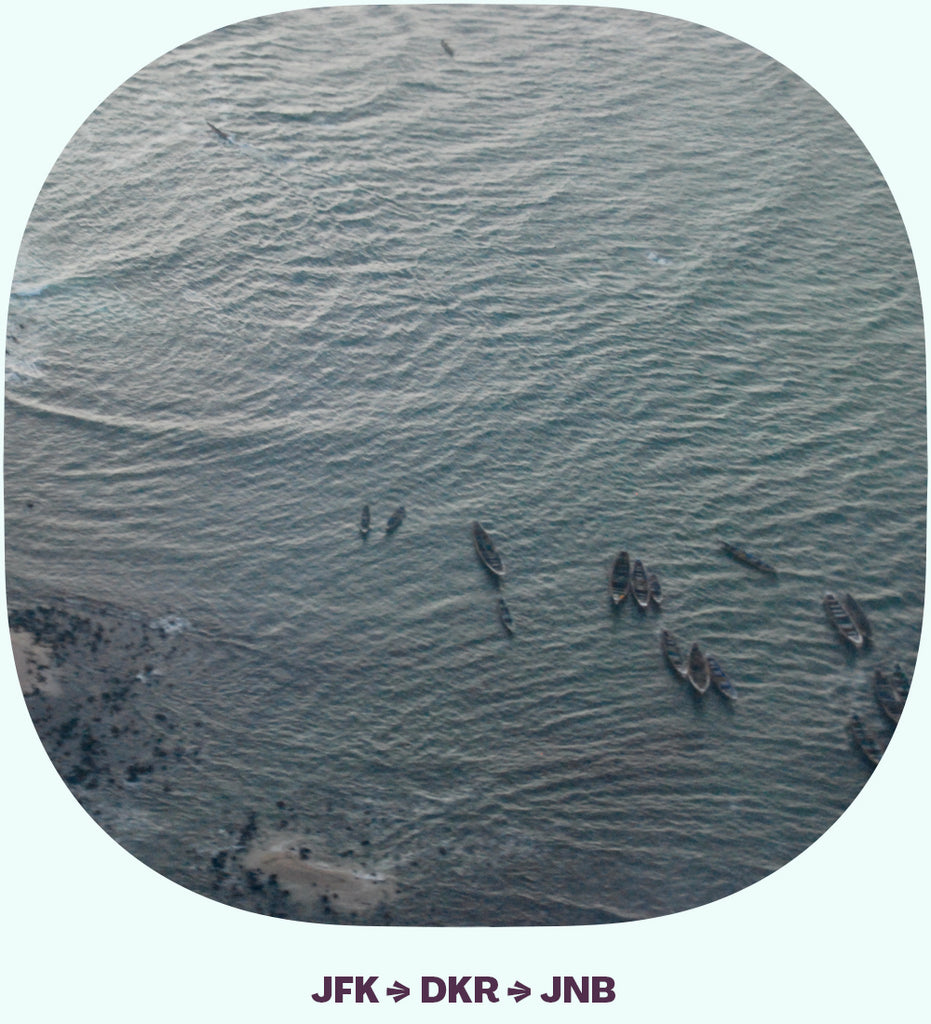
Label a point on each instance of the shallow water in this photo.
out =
(601, 280)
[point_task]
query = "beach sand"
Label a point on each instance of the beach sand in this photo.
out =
(312, 884)
(33, 664)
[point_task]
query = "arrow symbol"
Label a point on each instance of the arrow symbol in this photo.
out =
(519, 991)
(399, 991)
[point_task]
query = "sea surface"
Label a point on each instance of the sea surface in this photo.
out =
(599, 279)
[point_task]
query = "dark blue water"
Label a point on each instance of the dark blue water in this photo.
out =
(600, 279)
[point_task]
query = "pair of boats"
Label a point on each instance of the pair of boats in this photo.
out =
(848, 618)
(890, 691)
(700, 669)
(394, 520)
(489, 557)
(633, 578)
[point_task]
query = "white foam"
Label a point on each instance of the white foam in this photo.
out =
(170, 624)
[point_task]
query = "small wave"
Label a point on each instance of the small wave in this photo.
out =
(654, 257)
(27, 291)
(20, 370)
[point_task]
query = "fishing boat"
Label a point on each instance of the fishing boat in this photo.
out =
(656, 591)
(720, 679)
(841, 621)
(395, 519)
(672, 651)
(504, 614)
(857, 616)
(620, 577)
(365, 523)
(699, 671)
(890, 700)
(485, 549)
(864, 739)
(742, 555)
(639, 584)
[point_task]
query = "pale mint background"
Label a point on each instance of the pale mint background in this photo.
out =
(877, 827)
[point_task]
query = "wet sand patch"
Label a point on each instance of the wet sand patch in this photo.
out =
(313, 884)
(33, 662)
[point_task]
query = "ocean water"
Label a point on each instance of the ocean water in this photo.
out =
(599, 279)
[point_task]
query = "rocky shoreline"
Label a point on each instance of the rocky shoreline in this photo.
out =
(99, 684)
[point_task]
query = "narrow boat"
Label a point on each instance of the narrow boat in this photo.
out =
(485, 549)
(857, 616)
(864, 739)
(620, 577)
(672, 651)
(841, 621)
(504, 614)
(720, 679)
(639, 584)
(395, 519)
(365, 523)
(744, 556)
(656, 591)
(225, 136)
(890, 700)
(699, 671)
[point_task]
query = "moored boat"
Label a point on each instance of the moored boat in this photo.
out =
(656, 590)
(699, 671)
(485, 549)
(365, 522)
(741, 554)
(504, 614)
(639, 584)
(672, 651)
(857, 616)
(720, 679)
(864, 739)
(890, 700)
(620, 577)
(841, 621)
(395, 519)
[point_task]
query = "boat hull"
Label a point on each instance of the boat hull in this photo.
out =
(639, 584)
(863, 739)
(620, 577)
(720, 679)
(485, 549)
(672, 652)
(890, 699)
(857, 616)
(395, 519)
(841, 621)
(747, 558)
(699, 672)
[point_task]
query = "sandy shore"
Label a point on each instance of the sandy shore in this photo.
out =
(34, 664)
(104, 689)
(313, 884)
